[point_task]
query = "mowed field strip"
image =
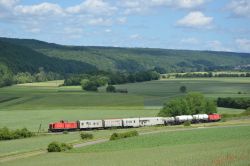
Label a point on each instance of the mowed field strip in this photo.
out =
(16, 149)
(223, 145)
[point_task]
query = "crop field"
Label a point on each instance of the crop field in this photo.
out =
(212, 146)
(157, 92)
(32, 105)
(29, 105)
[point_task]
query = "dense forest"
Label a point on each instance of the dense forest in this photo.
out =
(138, 59)
(26, 60)
(23, 59)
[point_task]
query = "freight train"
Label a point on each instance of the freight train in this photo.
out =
(131, 122)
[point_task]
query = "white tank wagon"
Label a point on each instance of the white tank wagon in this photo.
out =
(168, 120)
(109, 123)
(200, 118)
(183, 118)
(151, 121)
(90, 124)
(131, 122)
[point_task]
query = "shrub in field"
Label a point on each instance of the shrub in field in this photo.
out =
(116, 136)
(58, 147)
(110, 88)
(54, 147)
(23, 133)
(6, 134)
(187, 123)
(65, 147)
(183, 89)
(86, 136)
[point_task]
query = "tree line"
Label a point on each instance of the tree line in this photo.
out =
(91, 82)
(210, 74)
(7, 78)
(239, 103)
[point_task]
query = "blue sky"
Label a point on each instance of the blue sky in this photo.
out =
(222, 25)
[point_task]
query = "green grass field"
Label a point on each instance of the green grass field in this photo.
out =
(157, 92)
(29, 105)
(213, 146)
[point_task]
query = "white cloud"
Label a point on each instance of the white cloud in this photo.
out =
(122, 20)
(190, 40)
(8, 3)
(100, 21)
(95, 7)
(216, 45)
(196, 20)
(187, 3)
(40, 9)
(135, 36)
(6, 8)
(34, 30)
(240, 8)
(108, 30)
(73, 30)
(142, 6)
(243, 45)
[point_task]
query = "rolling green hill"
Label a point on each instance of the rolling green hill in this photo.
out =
(21, 59)
(126, 59)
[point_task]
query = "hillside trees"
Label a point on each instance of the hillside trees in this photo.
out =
(6, 76)
(193, 103)
(25, 77)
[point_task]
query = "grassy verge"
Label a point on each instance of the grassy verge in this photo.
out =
(213, 146)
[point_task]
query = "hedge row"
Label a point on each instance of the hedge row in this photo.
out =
(6, 134)
(86, 136)
(239, 103)
(116, 136)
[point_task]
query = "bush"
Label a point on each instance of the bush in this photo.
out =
(187, 123)
(23, 133)
(65, 147)
(90, 86)
(54, 147)
(110, 88)
(6, 134)
(183, 89)
(116, 136)
(58, 147)
(86, 136)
